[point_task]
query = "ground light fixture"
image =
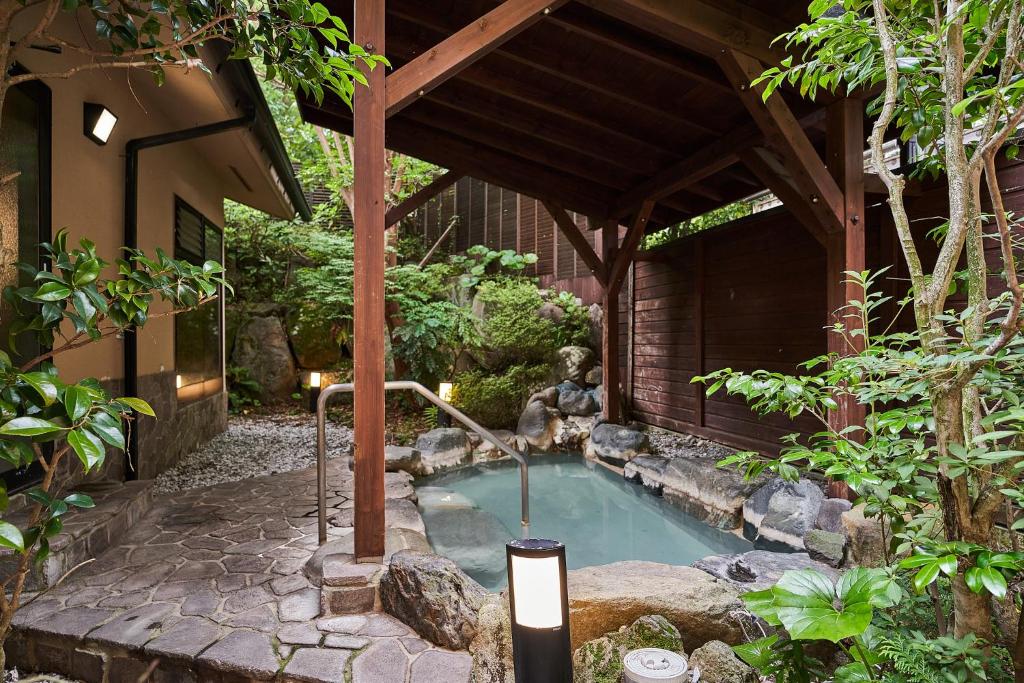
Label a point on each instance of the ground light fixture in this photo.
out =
(539, 603)
(314, 390)
(98, 123)
(445, 390)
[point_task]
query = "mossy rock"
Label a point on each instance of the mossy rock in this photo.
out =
(600, 660)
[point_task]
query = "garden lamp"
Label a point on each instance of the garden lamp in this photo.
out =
(539, 603)
(98, 122)
(314, 390)
(444, 392)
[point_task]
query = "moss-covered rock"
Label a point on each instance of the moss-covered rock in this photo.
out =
(600, 660)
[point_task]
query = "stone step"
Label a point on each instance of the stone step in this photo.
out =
(87, 532)
(348, 587)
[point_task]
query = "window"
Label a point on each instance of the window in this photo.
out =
(198, 357)
(24, 214)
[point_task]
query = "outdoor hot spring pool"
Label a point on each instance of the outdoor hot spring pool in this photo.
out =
(601, 517)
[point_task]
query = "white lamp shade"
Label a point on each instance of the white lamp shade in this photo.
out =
(536, 587)
(314, 380)
(444, 391)
(104, 125)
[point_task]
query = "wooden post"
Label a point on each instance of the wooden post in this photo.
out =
(698, 325)
(370, 161)
(612, 409)
(846, 249)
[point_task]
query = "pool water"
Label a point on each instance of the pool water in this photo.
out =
(601, 517)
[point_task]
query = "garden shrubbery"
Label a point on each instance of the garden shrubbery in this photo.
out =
(496, 399)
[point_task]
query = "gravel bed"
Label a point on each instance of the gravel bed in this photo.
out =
(677, 445)
(251, 447)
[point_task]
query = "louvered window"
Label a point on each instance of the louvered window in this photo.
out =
(198, 341)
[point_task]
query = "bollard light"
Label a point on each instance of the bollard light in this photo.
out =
(444, 392)
(539, 603)
(314, 390)
(98, 122)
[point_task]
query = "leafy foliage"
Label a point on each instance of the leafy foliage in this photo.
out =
(496, 400)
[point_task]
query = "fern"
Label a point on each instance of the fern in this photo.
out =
(907, 659)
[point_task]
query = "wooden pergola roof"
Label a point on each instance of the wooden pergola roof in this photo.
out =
(592, 105)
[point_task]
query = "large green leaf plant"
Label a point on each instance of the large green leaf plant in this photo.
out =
(74, 302)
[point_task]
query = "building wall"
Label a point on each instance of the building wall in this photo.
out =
(88, 190)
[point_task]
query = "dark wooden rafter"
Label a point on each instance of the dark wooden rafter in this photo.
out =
(368, 310)
(769, 169)
(567, 59)
(421, 197)
(579, 243)
(703, 25)
(784, 134)
(463, 48)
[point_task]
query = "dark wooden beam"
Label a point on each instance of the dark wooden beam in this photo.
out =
(579, 243)
(784, 134)
(630, 243)
(461, 49)
(697, 24)
(846, 251)
(770, 170)
(368, 310)
(622, 40)
(611, 404)
(421, 197)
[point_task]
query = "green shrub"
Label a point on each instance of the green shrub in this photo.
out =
(574, 329)
(512, 331)
(496, 400)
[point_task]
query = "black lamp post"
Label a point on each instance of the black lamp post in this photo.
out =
(314, 390)
(539, 604)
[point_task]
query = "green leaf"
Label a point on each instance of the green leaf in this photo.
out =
(994, 581)
(87, 446)
(52, 291)
(79, 500)
(812, 608)
(138, 405)
(29, 426)
(852, 673)
(43, 385)
(925, 576)
(10, 537)
(109, 429)
(76, 402)
(758, 653)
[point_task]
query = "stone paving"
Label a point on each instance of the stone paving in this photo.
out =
(210, 586)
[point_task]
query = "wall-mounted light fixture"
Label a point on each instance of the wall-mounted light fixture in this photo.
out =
(314, 390)
(539, 603)
(445, 390)
(98, 122)
(178, 382)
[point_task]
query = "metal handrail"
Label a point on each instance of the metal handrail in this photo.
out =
(321, 447)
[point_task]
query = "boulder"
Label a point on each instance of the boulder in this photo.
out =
(600, 660)
(598, 394)
(830, 514)
(548, 397)
(756, 506)
(572, 364)
(705, 491)
(719, 664)
(595, 324)
(261, 347)
(577, 402)
(552, 312)
(313, 343)
(792, 512)
(431, 595)
(487, 451)
(758, 569)
(615, 444)
(594, 376)
(443, 448)
(865, 543)
(492, 646)
(574, 433)
(402, 459)
(825, 546)
(539, 424)
(607, 597)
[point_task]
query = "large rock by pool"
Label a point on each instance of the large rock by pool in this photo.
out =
(607, 597)
(697, 485)
(615, 444)
(759, 569)
(442, 448)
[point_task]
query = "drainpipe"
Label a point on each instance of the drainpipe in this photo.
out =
(131, 240)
